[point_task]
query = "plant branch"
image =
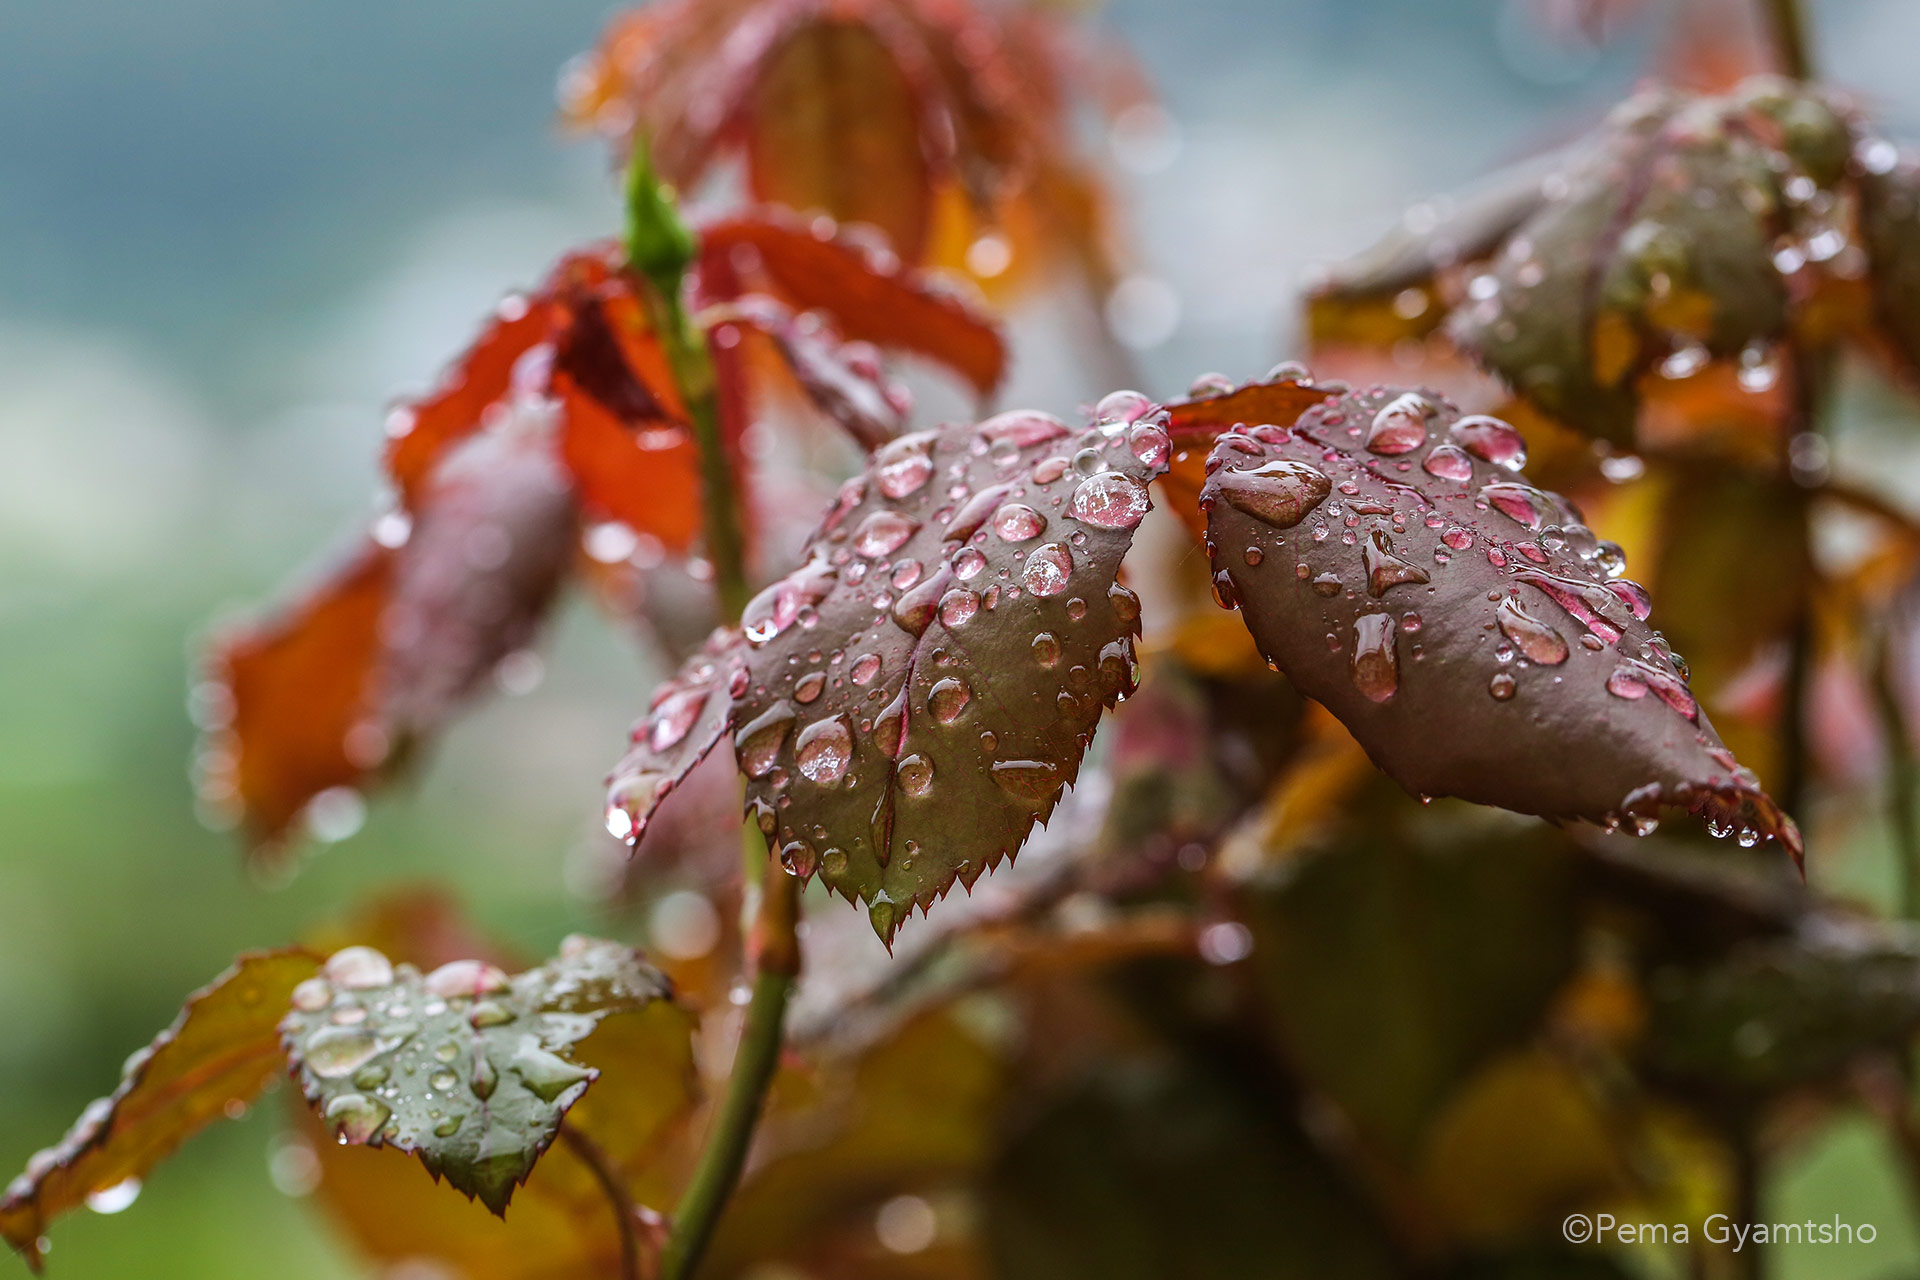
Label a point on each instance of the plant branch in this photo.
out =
(608, 1177)
(1785, 22)
(1903, 778)
(776, 964)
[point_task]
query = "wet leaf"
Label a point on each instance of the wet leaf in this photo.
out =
(844, 380)
(218, 1055)
(467, 1068)
(833, 125)
(866, 292)
(561, 1223)
(293, 693)
(687, 717)
(923, 686)
(1688, 229)
(1195, 422)
(1469, 630)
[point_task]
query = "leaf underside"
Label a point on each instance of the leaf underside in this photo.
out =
(218, 1055)
(467, 1068)
(1468, 629)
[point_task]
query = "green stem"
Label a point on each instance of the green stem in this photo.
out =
(755, 1060)
(1786, 25)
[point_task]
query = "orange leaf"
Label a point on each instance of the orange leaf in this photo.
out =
(865, 292)
(646, 474)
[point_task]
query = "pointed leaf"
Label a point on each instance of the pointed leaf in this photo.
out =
(218, 1055)
(864, 290)
(294, 698)
(1387, 558)
(688, 716)
(844, 380)
(923, 687)
(467, 1068)
(835, 125)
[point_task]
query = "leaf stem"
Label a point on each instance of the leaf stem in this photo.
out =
(777, 963)
(1786, 26)
(608, 1177)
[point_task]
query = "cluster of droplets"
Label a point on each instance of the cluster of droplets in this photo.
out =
(394, 1056)
(1319, 477)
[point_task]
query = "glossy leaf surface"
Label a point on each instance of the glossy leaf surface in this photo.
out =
(1468, 629)
(466, 1067)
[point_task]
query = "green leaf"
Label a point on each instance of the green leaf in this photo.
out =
(1473, 635)
(468, 1068)
(218, 1055)
(660, 245)
(922, 688)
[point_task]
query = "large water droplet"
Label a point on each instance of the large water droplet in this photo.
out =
(1400, 426)
(1385, 569)
(1281, 492)
(1491, 440)
(882, 533)
(1448, 463)
(916, 775)
(312, 995)
(758, 743)
(1122, 406)
(116, 1198)
(335, 1052)
(967, 563)
(1022, 428)
(1048, 569)
(1634, 680)
(974, 512)
(808, 688)
(1519, 502)
(890, 726)
(948, 698)
(904, 466)
(356, 1117)
(547, 1075)
(466, 978)
(1017, 522)
(631, 798)
(1113, 500)
(674, 717)
(1150, 445)
(957, 607)
(1033, 781)
(824, 749)
(1538, 641)
(865, 668)
(359, 969)
(1376, 666)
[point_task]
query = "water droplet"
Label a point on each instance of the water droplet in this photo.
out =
(948, 698)
(1536, 639)
(916, 775)
(974, 512)
(1491, 440)
(890, 726)
(903, 467)
(882, 533)
(957, 607)
(1448, 463)
(356, 1117)
(547, 1075)
(450, 1125)
(967, 563)
(674, 717)
(1633, 680)
(359, 969)
(1519, 502)
(1022, 428)
(1385, 569)
(865, 668)
(1327, 584)
(1017, 522)
(442, 1081)
(824, 749)
(778, 606)
(334, 1052)
(798, 858)
(1122, 406)
(484, 1077)
(1376, 667)
(1400, 426)
(1281, 492)
(312, 995)
(1113, 500)
(1033, 781)
(489, 1013)
(808, 688)
(631, 798)
(466, 979)
(1048, 569)
(116, 1198)
(1501, 686)
(758, 744)
(1150, 445)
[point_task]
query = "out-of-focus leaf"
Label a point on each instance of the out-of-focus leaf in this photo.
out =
(1890, 225)
(296, 711)
(865, 290)
(218, 1055)
(844, 380)
(1194, 423)
(688, 715)
(1687, 230)
(494, 535)
(1386, 557)
(1155, 1170)
(1774, 1013)
(923, 686)
(834, 126)
(1394, 970)
(561, 1223)
(465, 1067)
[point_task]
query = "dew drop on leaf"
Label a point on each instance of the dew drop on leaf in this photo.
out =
(1448, 463)
(1281, 492)
(357, 1117)
(1538, 641)
(359, 969)
(1112, 500)
(1030, 780)
(1400, 426)
(1376, 666)
(1017, 522)
(882, 533)
(824, 749)
(948, 698)
(1048, 569)
(916, 775)
(1491, 440)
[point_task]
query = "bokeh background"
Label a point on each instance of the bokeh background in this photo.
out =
(231, 230)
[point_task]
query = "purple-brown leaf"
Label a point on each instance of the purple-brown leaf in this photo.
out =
(688, 716)
(1470, 631)
(922, 688)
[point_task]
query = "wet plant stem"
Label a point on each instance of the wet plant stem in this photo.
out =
(661, 247)
(608, 1177)
(1785, 22)
(1903, 778)
(776, 960)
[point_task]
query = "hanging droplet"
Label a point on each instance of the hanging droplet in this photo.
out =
(356, 1117)
(1033, 781)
